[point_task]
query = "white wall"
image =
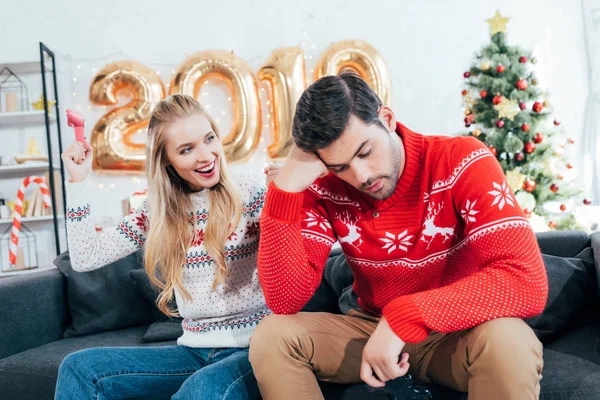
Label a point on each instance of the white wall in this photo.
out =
(427, 45)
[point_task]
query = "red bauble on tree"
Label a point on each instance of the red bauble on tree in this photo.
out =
(500, 123)
(537, 107)
(556, 122)
(500, 68)
(529, 185)
(587, 202)
(522, 84)
(522, 59)
(554, 187)
(571, 140)
(467, 74)
(529, 147)
(563, 207)
(493, 151)
(525, 127)
(569, 166)
(483, 94)
(497, 99)
(539, 138)
(522, 105)
(527, 212)
(519, 156)
(552, 224)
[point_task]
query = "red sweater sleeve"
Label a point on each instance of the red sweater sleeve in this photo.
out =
(296, 238)
(511, 280)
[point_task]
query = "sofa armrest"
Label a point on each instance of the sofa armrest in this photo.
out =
(33, 310)
(563, 243)
(596, 250)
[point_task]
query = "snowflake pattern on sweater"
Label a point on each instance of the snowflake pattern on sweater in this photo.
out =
(224, 317)
(448, 250)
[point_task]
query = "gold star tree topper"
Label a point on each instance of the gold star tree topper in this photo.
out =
(507, 109)
(497, 23)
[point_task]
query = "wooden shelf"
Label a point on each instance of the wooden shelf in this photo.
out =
(29, 219)
(23, 169)
(25, 67)
(24, 117)
(26, 271)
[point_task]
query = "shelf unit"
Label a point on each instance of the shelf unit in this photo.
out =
(46, 68)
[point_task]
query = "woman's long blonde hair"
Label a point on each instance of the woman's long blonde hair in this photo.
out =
(171, 229)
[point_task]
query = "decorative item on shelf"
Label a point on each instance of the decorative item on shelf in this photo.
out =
(26, 252)
(131, 203)
(6, 160)
(39, 105)
(32, 154)
(16, 226)
(13, 92)
(4, 210)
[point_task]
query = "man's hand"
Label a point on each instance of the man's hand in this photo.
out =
(380, 357)
(300, 170)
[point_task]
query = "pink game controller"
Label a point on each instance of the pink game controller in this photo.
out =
(75, 120)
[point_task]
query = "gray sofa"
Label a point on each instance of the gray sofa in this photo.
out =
(35, 312)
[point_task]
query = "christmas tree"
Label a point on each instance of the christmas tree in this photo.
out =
(506, 110)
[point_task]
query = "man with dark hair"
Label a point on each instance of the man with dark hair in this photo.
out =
(445, 263)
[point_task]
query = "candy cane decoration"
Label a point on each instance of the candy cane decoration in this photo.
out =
(16, 228)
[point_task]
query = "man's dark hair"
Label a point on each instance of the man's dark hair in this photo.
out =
(324, 110)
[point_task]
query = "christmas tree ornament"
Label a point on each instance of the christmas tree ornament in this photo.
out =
(522, 105)
(558, 151)
(522, 59)
(537, 107)
(468, 111)
(534, 60)
(563, 207)
(527, 212)
(522, 84)
(493, 151)
(554, 187)
(500, 68)
(477, 132)
(534, 81)
(485, 65)
(500, 124)
(560, 177)
(587, 201)
(569, 166)
(529, 185)
(497, 99)
(529, 147)
(467, 74)
(483, 94)
(507, 109)
(552, 224)
(497, 23)
(556, 122)
(515, 179)
(464, 92)
(571, 140)
(519, 156)
(525, 127)
(539, 138)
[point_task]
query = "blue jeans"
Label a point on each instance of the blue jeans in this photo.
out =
(176, 372)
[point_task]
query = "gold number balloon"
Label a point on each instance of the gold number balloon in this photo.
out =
(284, 71)
(111, 136)
(360, 57)
(244, 137)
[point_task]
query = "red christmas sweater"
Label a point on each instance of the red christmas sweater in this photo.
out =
(450, 248)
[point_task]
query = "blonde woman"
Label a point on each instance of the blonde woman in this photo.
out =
(199, 231)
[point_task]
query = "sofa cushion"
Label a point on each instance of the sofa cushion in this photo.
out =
(104, 299)
(568, 283)
(38, 368)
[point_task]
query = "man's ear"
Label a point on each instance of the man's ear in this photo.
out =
(387, 117)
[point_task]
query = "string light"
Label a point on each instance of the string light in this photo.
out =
(74, 79)
(74, 94)
(78, 66)
(157, 72)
